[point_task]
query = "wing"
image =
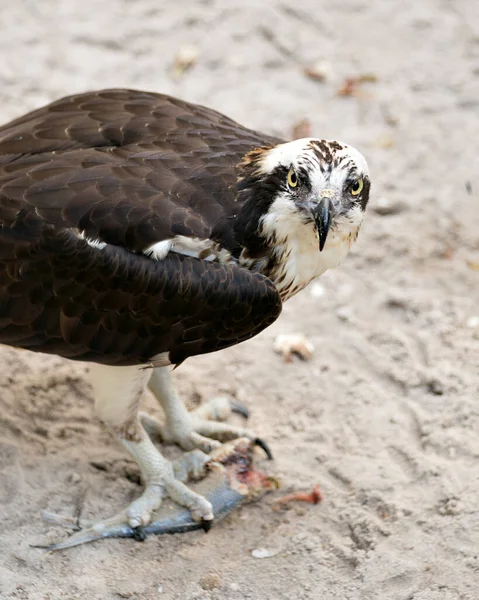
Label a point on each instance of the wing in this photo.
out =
(131, 169)
(112, 306)
(126, 167)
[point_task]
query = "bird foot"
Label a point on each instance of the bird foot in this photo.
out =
(203, 428)
(231, 480)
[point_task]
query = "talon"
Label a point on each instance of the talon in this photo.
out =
(239, 409)
(206, 525)
(264, 446)
(139, 534)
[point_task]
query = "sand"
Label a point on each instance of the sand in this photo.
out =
(385, 416)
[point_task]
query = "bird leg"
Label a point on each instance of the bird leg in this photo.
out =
(117, 394)
(196, 429)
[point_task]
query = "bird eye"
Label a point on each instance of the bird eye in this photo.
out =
(357, 187)
(292, 179)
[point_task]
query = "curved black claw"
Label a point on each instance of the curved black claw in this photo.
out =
(264, 446)
(139, 534)
(239, 409)
(206, 525)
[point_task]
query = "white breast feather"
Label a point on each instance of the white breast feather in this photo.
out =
(298, 245)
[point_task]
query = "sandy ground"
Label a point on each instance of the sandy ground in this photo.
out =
(385, 416)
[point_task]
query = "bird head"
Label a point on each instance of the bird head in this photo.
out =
(295, 188)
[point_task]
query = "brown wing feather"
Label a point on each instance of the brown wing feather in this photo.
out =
(130, 168)
(114, 307)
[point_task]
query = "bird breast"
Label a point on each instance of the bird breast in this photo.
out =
(299, 261)
(295, 259)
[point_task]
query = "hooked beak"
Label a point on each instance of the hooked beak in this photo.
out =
(322, 218)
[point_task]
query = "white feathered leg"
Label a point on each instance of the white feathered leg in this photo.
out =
(117, 395)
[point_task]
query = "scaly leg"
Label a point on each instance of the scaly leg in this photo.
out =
(117, 394)
(195, 429)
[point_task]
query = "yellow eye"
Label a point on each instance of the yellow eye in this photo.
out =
(357, 187)
(292, 179)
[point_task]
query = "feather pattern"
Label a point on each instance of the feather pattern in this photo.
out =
(129, 169)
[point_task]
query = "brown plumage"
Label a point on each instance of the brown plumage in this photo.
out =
(130, 169)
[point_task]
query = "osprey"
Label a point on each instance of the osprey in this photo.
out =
(137, 230)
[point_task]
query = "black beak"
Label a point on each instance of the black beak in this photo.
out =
(322, 218)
